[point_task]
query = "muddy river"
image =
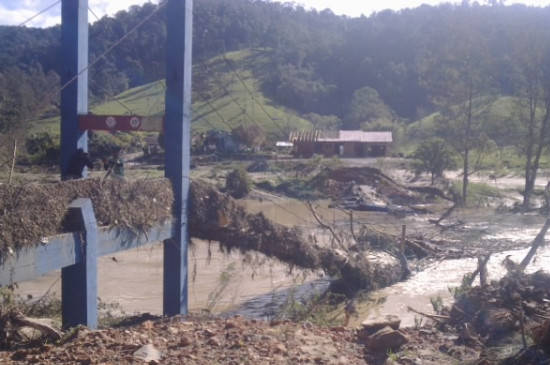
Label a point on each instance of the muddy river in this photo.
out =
(255, 286)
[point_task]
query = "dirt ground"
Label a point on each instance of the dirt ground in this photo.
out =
(200, 340)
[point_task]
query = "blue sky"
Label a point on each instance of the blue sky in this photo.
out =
(13, 12)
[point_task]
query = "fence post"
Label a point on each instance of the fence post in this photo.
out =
(79, 281)
(74, 97)
(178, 149)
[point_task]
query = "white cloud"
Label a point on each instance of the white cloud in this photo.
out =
(13, 12)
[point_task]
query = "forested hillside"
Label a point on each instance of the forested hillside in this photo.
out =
(368, 71)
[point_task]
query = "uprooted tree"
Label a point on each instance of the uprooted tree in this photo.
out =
(216, 216)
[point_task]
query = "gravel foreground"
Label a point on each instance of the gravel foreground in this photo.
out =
(194, 340)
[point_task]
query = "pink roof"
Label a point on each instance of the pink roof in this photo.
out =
(341, 136)
(359, 136)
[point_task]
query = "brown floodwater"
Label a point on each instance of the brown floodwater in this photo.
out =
(218, 281)
(256, 286)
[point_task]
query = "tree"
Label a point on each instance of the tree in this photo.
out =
(366, 106)
(433, 156)
(533, 104)
(251, 136)
(324, 122)
(458, 80)
(238, 183)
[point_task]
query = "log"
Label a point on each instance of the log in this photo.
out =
(539, 239)
(436, 317)
(217, 217)
(19, 319)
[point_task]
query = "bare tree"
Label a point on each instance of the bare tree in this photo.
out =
(533, 103)
(458, 82)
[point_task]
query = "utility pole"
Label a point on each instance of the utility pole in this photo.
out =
(178, 150)
(74, 96)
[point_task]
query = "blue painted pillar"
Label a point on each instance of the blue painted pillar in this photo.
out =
(79, 281)
(178, 149)
(74, 98)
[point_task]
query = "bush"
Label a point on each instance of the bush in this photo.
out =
(238, 184)
(433, 156)
(104, 144)
(43, 148)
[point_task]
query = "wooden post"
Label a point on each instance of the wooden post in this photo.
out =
(14, 157)
(74, 97)
(403, 237)
(178, 150)
(402, 257)
(79, 281)
(482, 268)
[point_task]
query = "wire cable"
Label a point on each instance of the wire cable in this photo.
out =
(39, 13)
(113, 46)
(92, 12)
(48, 98)
(102, 88)
(251, 94)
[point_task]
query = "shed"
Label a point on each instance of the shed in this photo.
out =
(343, 143)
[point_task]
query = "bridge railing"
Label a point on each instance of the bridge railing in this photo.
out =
(76, 254)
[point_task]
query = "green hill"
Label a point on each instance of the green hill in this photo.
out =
(497, 115)
(226, 94)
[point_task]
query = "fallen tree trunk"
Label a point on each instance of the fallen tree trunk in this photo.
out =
(216, 216)
(213, 216)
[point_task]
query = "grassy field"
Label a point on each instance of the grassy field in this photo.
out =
(226, 94)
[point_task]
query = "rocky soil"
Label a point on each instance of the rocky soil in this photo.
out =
(197, 340)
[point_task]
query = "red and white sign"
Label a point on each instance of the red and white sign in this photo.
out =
(126, 123)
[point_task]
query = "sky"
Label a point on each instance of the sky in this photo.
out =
(15, 12)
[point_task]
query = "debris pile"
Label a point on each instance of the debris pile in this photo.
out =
(195, 340)
(368, 189)
(332, 181)
(511, 314)
(28, 213)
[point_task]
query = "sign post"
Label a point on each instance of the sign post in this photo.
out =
(178, 149)
(74, 78)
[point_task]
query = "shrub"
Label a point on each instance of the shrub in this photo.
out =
(433, 156)
(43, 148)
(238, 184)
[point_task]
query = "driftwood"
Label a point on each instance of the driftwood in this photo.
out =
(482, 269)
(445, 215)
(12, 322)
(421, 249)
(482, 266)
(539, 239)
(436, 317)
(323, 225)
(431, 190)
(12, 167)
(19, 319)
